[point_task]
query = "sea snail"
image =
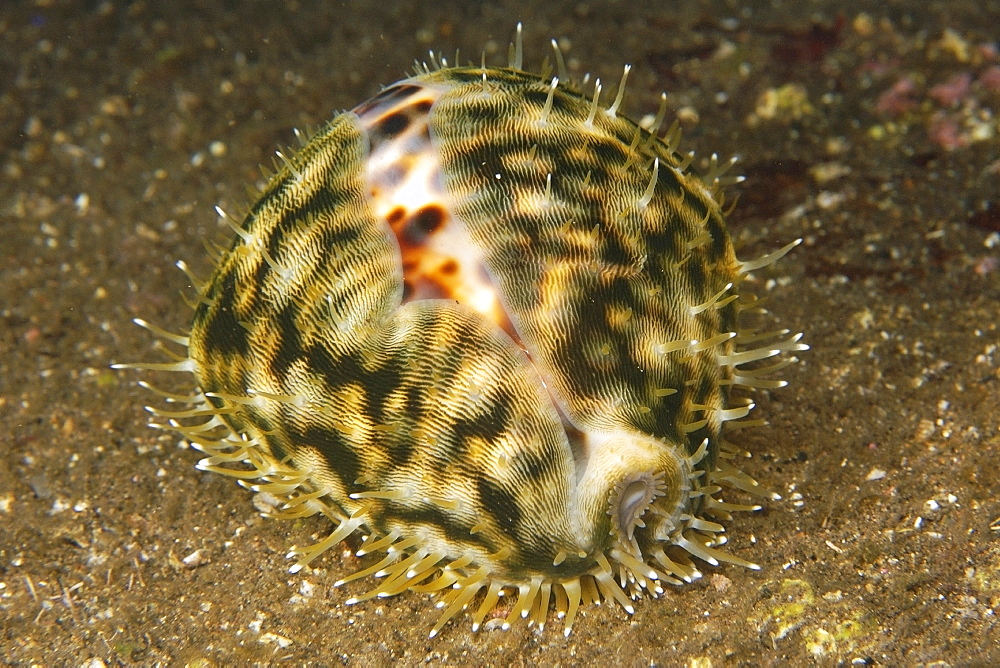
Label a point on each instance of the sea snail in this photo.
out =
(491, 325)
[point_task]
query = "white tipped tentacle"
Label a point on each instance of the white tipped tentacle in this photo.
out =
(612, 111)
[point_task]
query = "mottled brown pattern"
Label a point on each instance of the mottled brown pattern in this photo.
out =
(575, 456)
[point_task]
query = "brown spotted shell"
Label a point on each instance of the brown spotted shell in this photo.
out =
(491, 325)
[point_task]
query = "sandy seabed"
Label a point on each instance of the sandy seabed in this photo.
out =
(868, 129)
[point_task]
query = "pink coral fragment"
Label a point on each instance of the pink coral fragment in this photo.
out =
(945, 132)
(990, 79)
(952, 91)
(898, 99)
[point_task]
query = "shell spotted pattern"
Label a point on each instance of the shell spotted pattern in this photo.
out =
(491, 325)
